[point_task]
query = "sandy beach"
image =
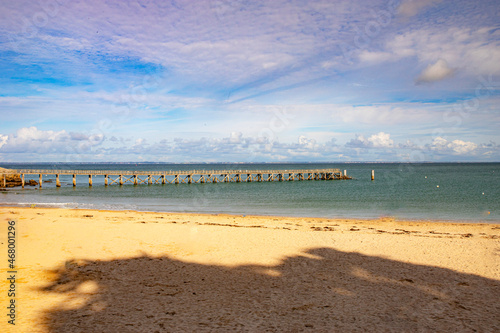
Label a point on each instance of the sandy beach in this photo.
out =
(126, 271)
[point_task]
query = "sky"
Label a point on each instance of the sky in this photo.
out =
(249, 81)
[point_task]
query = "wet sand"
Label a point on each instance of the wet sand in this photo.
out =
(126, 271)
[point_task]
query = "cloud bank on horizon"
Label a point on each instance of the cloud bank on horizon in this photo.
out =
(249, 81)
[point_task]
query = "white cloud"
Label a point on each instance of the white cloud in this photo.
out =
(379, 140)
(474, 51)
(3, 140)
(306, 143)
(436, 72)
(235, 147)
(32, 134)
(35, 141)
(235, 137)
(455, 147)
(61, 146)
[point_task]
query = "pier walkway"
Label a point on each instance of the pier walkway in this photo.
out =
(121, 177)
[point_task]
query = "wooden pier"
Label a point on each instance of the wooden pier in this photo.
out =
(122, 177)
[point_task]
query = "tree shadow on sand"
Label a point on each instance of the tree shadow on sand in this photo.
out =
(324, 290)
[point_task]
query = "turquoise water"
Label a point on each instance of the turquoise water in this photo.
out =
(430, 191)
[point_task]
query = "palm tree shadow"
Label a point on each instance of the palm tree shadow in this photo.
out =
(323, 290)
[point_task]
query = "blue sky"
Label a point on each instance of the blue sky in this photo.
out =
(249, 81)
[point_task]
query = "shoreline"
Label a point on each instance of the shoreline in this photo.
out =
(208, 272)
(348, 220)
(354, 218)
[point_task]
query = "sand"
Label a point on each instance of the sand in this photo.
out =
(126, 271)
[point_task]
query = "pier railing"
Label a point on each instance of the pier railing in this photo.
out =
(167, 172)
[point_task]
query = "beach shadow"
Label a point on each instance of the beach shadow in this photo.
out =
(324, 290)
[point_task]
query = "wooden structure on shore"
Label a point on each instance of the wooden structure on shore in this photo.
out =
(121, 177)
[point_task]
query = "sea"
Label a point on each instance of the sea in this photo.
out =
(464, 192)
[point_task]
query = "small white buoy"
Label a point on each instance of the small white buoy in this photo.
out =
(437, 186)
(425, 177)
(483, 193)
